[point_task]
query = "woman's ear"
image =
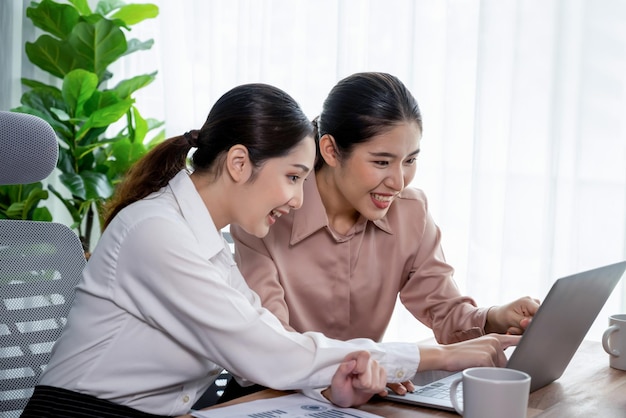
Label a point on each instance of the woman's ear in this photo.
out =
(328, 150)
(238, 163)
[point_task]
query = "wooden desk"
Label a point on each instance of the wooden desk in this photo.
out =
(588, 388)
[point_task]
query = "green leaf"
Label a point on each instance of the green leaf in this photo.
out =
(20, 201)
(98, 44)
(135, 13)
(105, 116)
(141, 126)
(154, 123)
(93, 136)
(82, 6)
(127, 87)
(137, 150)
(97, 185)
(68, 203)
(65, 163)
(41, 214)
(38, 84)
(57, 19)
(54, 56)
(84, 160)
(10, 195)
(60, 114)
(89, 185)
(100, 100)
(31, 202)
(83, 151)
(110, 114)
(118, 159)
(105, 7)
(137, 45)
(39, 102)
(92, 19)
(123, 154)
(16, 211)
(43, 99)
(74, 184)
(121, 24)
(78, 87)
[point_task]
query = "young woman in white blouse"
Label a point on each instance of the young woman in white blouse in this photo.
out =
(162, 308)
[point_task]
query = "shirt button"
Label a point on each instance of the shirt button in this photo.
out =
(186, 398)
(399, 374)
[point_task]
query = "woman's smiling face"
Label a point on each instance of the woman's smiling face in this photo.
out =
(276, 189)
(376, 171)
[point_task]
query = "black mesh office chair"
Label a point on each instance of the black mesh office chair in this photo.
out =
(40, 265)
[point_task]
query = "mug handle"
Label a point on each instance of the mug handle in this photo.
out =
(453, 396)
(605, 340)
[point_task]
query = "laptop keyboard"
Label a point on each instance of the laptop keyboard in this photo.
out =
(440, 389)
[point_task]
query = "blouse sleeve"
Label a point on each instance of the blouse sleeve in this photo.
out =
(259, 270)
(431, 294)
(172, 286)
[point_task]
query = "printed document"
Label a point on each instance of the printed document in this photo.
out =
(292, 406)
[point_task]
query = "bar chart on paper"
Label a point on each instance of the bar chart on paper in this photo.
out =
(292, 406)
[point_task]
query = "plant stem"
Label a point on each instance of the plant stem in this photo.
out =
(88, 227)
(131, 129)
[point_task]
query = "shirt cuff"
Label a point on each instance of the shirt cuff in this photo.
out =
(400, 361)
(315, 393)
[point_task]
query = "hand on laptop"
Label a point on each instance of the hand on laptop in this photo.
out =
(402, 388)
(356, 380)
(487, 350)
(512, 318)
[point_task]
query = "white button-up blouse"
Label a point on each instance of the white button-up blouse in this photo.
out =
(162, 308)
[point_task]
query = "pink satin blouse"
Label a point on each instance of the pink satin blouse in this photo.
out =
(346, 286)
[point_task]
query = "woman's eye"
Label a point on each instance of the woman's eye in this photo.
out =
(294, 179)
(411, 160)
(382, 163)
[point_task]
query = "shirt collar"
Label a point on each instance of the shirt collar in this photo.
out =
(196, 214)
(311, 217)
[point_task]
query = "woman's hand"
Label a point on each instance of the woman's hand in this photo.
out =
(356, 380)
(487, 350)
(512, 318)
(401, 388)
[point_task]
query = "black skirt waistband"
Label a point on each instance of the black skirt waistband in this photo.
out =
(52, 402)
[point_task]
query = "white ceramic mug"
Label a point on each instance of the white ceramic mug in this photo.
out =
(492, 392)
(614, 341)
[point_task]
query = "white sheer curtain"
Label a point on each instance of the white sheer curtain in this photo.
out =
(524, 103)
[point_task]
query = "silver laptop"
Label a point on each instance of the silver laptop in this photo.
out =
(549, 342)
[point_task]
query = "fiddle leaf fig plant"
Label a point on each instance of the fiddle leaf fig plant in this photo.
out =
(101, 132)
(20, 201)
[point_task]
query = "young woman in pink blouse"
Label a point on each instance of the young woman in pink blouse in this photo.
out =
(362, 237)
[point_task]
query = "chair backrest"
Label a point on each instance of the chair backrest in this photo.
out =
(40, 265)
(28, 148)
